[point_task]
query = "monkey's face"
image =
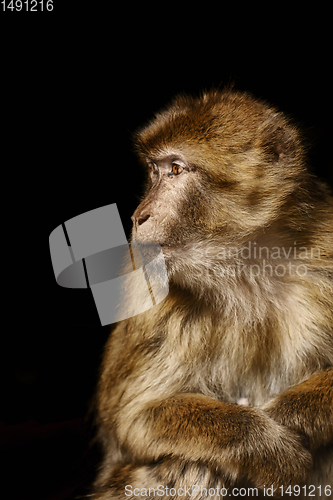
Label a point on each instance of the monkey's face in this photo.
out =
(220, 167)
(174, 206)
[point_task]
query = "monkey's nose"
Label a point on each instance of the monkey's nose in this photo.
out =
(139, 219)
(142, 219)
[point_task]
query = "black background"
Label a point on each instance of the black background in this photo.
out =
(75, 85)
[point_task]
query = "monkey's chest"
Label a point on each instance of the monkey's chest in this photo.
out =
(232, 384)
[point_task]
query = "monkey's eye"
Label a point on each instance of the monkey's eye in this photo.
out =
(153, 168)
(176, 169)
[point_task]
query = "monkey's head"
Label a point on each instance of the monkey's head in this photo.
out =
(220, 167)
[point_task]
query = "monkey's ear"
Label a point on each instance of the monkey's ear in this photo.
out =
(280, 142)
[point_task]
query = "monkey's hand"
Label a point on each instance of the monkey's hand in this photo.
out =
(240, 442)
(307, 409)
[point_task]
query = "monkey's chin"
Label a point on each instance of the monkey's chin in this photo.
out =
(169, 251)
(168, 248)
(142, 240)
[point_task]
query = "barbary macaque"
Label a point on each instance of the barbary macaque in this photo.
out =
(228, 382)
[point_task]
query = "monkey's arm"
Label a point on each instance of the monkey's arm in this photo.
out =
(240, 441)
(307, 409)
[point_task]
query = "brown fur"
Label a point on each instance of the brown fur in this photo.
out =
(170, 377)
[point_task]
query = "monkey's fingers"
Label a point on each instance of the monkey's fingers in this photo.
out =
(307, 409)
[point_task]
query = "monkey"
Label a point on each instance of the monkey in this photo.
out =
(228, 382)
